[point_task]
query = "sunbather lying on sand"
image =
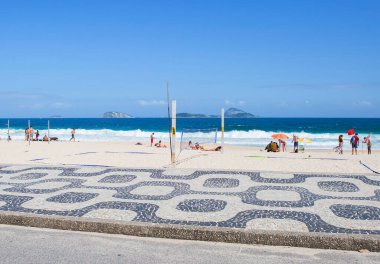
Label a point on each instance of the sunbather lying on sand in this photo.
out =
(219, 148)
(160, 145)
(199, 147)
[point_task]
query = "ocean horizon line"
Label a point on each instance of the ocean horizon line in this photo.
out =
(165, 117)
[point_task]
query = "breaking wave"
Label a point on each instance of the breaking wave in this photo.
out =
(258, 138)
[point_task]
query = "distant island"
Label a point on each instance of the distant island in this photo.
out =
(116, 115)
(237, 113)
(230, 113)
(56, 116)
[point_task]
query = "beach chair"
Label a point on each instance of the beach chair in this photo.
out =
(301, 147)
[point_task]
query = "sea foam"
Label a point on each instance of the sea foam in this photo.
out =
(258, 138)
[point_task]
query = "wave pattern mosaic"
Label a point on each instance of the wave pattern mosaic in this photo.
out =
(245, 200)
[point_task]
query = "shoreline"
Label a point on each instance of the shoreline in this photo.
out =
(127, 154)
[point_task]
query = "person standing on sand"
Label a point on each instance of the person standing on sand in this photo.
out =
(72, 135)
(27, 134)
(295, 142)
(355, 144)
(37, 134)
(369, 144)
(151, 139)
(282, 144)
(340, 145)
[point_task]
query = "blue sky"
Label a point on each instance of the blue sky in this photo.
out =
(272, 58)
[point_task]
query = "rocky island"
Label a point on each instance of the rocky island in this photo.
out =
(237, 113)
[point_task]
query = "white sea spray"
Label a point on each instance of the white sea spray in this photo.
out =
(257, 138)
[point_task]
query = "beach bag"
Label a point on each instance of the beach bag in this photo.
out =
(352, 140)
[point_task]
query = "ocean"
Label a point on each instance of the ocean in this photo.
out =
(257, 132)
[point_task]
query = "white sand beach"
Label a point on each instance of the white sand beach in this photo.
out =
(124, 154)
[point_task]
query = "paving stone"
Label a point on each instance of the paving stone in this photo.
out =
(243, 200)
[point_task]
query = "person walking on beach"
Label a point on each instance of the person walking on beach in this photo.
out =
(72, 135)
(355, 144)
(151, 139)
(340, 145)
(295, 142)
(369, 144)
(282, 144)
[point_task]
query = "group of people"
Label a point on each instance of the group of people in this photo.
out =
(354, 141)
(159, 144)
(30, 133)
(197, 146)
(191, 146)
(281, 145)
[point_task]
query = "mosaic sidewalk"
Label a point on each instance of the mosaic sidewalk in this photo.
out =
(222, 199)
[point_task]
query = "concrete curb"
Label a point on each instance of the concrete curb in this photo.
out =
(274, 238)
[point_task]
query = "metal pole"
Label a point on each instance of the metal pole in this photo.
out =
(48, 131)
(29, 132)
(174, 124)
(169, 125)
(8, 132)
(222, 129)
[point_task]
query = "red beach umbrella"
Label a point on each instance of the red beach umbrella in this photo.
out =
(351, 132)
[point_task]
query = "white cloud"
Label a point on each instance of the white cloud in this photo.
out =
(363, 103)
(151, 102)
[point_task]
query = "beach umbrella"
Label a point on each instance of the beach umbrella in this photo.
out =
(280, 136)
(304, 141)
(351, 132)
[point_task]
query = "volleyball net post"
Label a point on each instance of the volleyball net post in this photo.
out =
(173, 134)
(222, 129)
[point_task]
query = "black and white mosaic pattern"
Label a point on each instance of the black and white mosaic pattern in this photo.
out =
(245, 200)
